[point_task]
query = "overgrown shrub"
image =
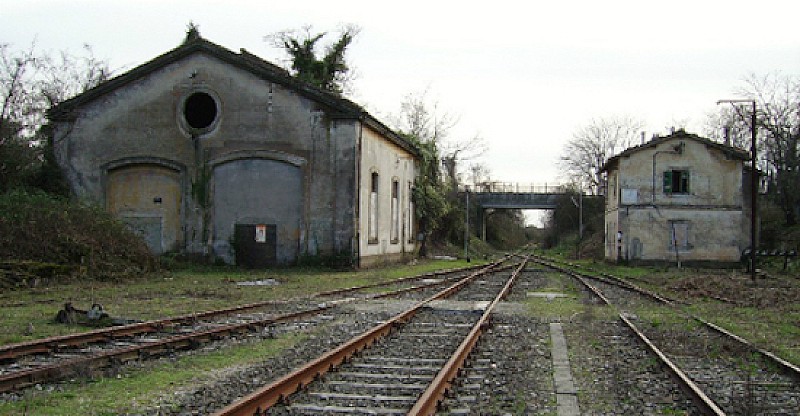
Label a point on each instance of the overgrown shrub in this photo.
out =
(36, 227)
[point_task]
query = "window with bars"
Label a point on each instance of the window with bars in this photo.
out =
(394, 233)
(410, 213)
(676, 182)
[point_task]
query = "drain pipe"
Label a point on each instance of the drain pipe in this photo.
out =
(677, 149)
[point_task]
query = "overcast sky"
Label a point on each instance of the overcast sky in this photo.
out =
(524, 75)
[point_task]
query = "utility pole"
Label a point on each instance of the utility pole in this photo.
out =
(753, 181)
(466, 225)
(579, 204)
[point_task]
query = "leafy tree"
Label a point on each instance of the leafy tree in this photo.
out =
(440, 206)
(505, 228)
(564, 220)
(330, 71)
(435, 199)
(592, 145)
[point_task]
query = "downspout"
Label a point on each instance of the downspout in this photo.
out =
(676, 150)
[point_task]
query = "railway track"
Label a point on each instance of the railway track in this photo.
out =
(57, 358)
(721, 372)
(401, 366)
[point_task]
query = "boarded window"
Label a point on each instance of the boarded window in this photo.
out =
(676, 182)
(679, 235)
(410, 214)
(372, 233)
(395, 230)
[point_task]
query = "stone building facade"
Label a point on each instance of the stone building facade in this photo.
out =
(678, 198)
(206, 151)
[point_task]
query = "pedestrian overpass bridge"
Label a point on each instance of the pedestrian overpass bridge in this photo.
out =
(514, 196)
(489, 196)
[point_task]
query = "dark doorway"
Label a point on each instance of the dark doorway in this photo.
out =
(255, 245)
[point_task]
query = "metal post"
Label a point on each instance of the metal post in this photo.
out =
(753, 183)
(753, 193)
(580, 215)
(466, 228)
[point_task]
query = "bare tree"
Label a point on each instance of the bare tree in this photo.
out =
(479, 173)
(421, 117)
(778, 123)
(31, 82)
(19, 109)
(592, 145)
(778, 134)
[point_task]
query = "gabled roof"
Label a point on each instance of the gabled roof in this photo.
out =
(729, 151)
(338, 106)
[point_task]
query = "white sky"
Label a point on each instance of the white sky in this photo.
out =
(524, 75)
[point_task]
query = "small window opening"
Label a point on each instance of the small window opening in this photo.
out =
(676, 182)
(200, 110)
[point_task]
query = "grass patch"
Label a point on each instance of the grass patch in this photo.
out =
(774, 329)
(28, 313)
(137, 389)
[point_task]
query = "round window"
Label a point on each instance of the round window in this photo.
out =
(200, 110)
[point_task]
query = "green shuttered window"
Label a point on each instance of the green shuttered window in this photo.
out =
(676, 182)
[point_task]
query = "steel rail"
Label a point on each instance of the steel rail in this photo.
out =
(258, 402)
(606, 278)
(20, 379)
(429, 400)
(12, 351)
(401, 280)
(57, 343)
(791, 369)
(704, 403)
(63, 369)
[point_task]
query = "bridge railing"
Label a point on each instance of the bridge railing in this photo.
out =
(513, 187)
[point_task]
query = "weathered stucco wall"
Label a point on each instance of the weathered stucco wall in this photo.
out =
(391, 164)
(709, 220)
(143, 125)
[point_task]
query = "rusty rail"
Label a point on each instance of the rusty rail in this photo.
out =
(704, 403)
(429, 400)
(63, 369)
(401, 280)
(787, 366)
(57, 343)
(258, 402)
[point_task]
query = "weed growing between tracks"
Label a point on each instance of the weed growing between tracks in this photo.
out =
(764, 311)
(141, 388)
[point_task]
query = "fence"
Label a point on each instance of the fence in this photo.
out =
(513, 187)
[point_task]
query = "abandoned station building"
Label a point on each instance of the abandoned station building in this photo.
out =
(678, 198)
(206, 151)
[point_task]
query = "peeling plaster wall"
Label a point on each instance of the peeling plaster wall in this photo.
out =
(391, 164)
(712, 212)
(141, 124)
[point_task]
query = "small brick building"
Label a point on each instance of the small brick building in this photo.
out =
(678, 198)
(206, 151)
